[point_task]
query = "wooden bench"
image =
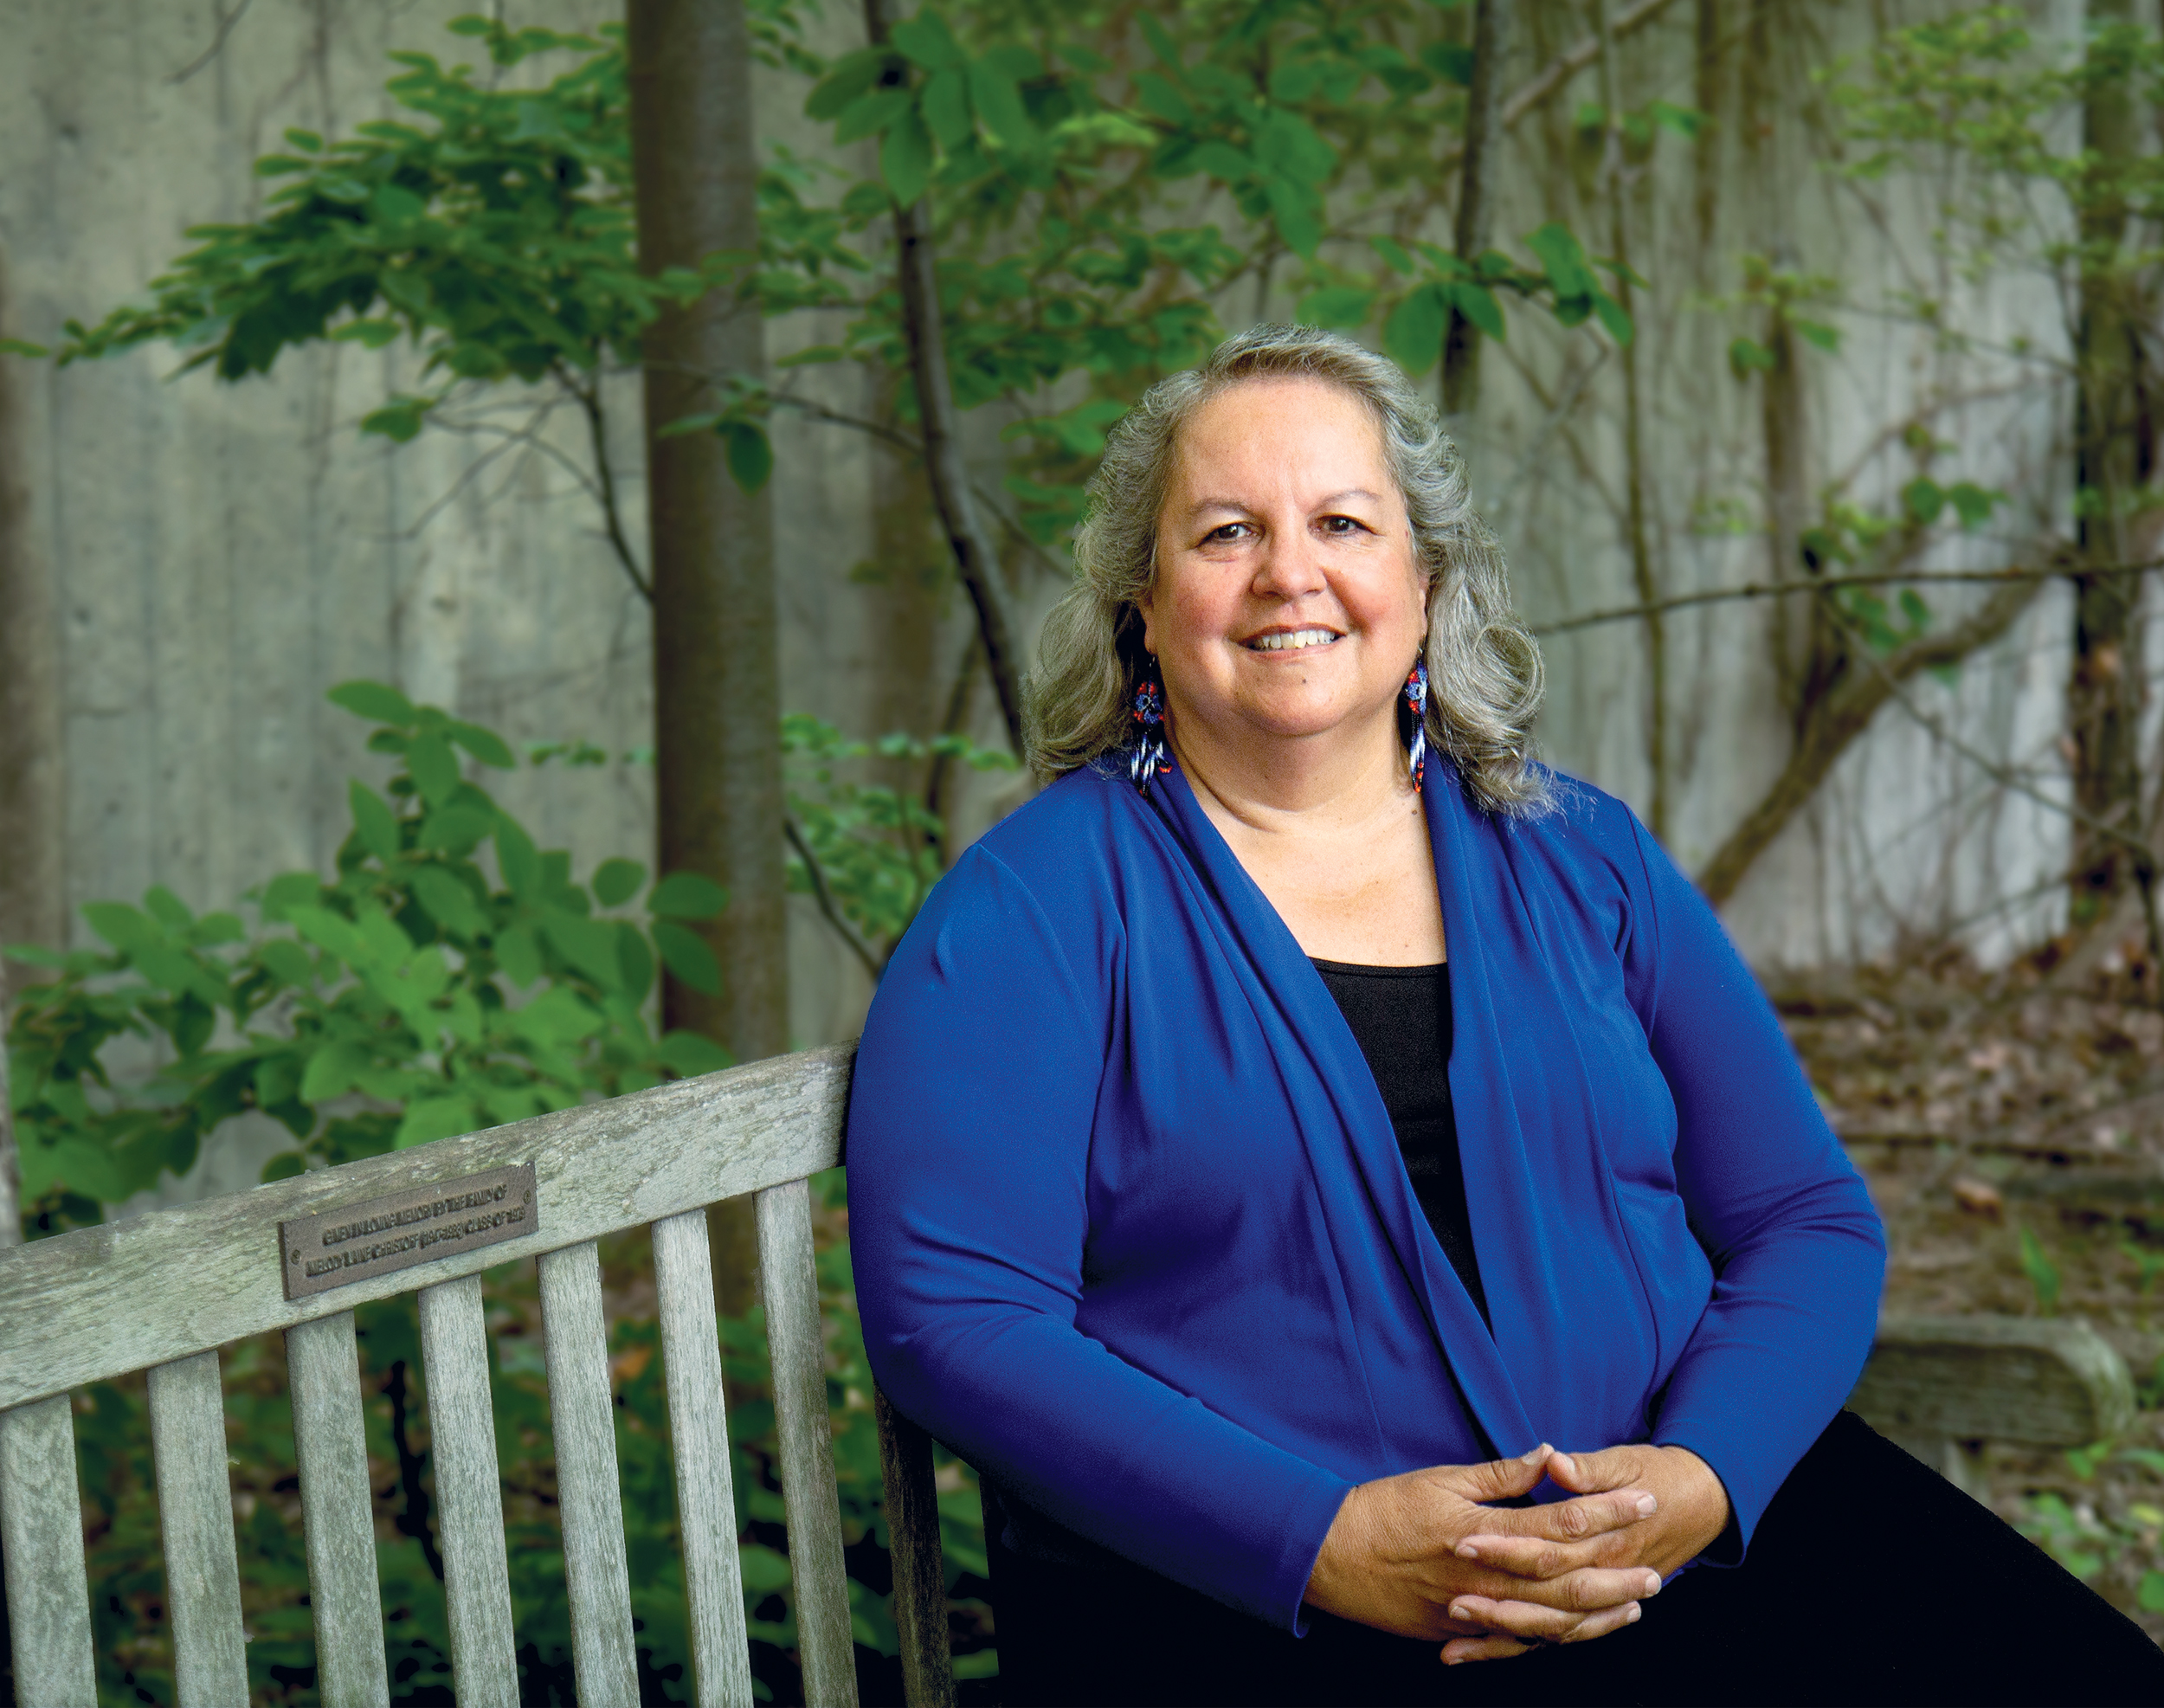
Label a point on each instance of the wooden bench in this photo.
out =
(1939, 1385)
(163, 1291)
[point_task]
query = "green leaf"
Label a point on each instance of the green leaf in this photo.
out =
(928, 42)
(1923, 499)
(615, 881)
(77, 1164)
(1478, 304)
(376, 701)
(435, 771)
(122, 926)
(1414, 333)
(332, 1071)
(1745, 354)
(1684, 122)
(1288, 145)
(374, 823)
(399, 421)
(1614, 316)
(1393, 254)
(518, 953)
(286, 961)
(687, 895)
(747, 451)
(999, 103)
(1221, 160)
(557, 1016)
(872, 113)
(851, 75)
(167, 909)
(1564, 258)
(1973, 503)
(945, 105)
(1337, 305)
(15, 346)
(1160, 43)
(516, 858)
(588, 945)
(449, 902)
(691, 1053)
(2150, 1596)
(1813, 332)
(458, 828)
(485, 745)
(634, 957)
(687, 955)
(429, 1118)
(1293, 207)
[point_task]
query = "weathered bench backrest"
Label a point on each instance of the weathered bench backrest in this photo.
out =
(162, 1292)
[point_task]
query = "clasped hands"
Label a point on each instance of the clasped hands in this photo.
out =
(1424, 1554)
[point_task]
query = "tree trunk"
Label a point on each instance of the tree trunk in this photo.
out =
(716, 667)
(976, 562)
(1476, 194)
(33, 891)
(1643, 578)
(1705, 147)
(2104, 693)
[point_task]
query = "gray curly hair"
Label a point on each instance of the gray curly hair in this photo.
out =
(1484, 668)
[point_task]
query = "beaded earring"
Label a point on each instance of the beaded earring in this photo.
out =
(1148, 756)
(1416, 708)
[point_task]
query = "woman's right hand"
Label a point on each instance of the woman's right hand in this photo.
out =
(1390, 1560)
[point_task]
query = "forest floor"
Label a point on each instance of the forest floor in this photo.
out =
(2011, 1124)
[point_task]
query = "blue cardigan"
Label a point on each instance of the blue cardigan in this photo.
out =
(1131, 1232)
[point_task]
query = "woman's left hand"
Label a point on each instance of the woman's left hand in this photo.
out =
(1693, 1511)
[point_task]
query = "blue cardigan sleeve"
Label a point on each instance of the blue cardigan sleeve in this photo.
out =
(1798, 1253)
(969, 1130)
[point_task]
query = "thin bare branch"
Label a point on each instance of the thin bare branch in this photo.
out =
(824, 897)
(225, 21)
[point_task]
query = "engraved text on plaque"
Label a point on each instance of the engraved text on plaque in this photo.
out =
(380, 1236)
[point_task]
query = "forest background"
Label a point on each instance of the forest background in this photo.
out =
(455, 470)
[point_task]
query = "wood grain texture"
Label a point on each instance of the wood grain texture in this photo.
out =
(337, 1512)
(699, 1432)
(810, 1501)
(920, 1577)
(40, 1538)
(462, 1442)
(195, 1513)
(2046, 1382)
(583, 1417)
(97, 1302)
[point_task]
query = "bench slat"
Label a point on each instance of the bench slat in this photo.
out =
(920, 1578)
(462, 1442)
(195, 1512)
(698, 1430)
(583, 1415)
(324, 1372)
(40, 1535)
(789, 1283)
(97, 1302)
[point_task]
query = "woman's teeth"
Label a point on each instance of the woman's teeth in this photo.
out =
(1297, 638)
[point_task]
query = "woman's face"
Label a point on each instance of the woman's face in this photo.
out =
(1289, 601)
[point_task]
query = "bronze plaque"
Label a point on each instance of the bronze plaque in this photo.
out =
(380, 1236)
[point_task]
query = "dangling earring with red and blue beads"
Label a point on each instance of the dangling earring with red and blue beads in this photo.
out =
(1416, 708)
(1147, 757)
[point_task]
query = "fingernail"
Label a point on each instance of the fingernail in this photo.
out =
(1467, 1551)
(1460, 1613)
(1632, 1619)
(1647, 1506)
(1536, 1455)
(1570, 1468)
(1652, 1584)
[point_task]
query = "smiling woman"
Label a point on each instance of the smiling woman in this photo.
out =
(1262, 1151)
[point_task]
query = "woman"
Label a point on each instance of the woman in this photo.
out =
(1270, 1139)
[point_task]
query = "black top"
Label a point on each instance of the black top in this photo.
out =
(1400, 1017)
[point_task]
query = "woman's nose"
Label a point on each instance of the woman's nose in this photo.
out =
(1290, 567)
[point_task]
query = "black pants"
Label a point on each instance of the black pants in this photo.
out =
(1870, 1580)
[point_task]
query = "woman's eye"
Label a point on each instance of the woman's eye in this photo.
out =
(1341, 525)
(1229, 532)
